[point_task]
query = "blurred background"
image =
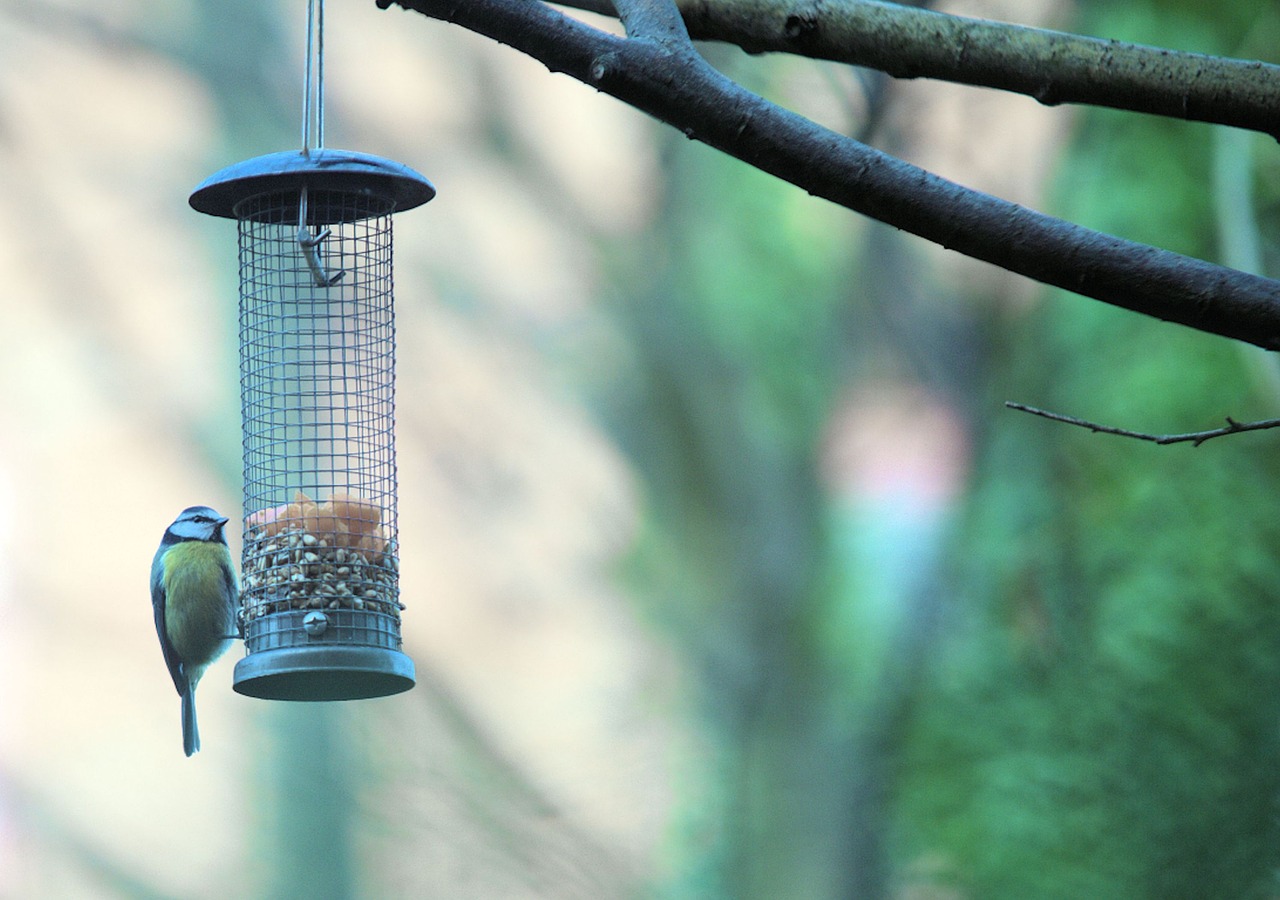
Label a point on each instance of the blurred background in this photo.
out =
(727, 573)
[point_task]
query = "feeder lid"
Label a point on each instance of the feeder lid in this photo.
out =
(323, 169)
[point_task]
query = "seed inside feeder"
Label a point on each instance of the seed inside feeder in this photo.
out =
(333, 554)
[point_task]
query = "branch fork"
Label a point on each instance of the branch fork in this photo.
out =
(678, 87)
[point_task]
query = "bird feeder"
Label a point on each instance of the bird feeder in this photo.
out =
(320, 597)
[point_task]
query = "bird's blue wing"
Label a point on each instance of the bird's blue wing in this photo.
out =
(157, 606)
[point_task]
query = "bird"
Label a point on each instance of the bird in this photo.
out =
(194, 598)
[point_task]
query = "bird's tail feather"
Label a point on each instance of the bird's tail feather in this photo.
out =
(190, 733)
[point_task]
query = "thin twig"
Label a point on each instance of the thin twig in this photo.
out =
(1195, 438)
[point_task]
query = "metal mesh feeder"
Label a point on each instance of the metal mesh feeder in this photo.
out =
(320, 596)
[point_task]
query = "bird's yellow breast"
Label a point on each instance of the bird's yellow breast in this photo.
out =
(198, 605)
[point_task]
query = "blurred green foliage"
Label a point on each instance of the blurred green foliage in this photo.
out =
(1102, 721)
(1095, 712)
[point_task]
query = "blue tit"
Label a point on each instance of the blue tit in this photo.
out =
(194, 597)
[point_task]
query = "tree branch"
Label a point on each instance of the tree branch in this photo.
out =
(1050, 66)
(1195, 438)
(657, 20)
(671, 82)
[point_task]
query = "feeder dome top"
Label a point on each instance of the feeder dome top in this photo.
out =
(321, 169)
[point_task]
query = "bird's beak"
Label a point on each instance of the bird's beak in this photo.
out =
(223, 521)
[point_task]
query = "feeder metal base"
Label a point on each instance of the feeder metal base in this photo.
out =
(338, 672)
(342, 655)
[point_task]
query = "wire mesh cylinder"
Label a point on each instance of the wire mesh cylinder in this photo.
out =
(320, 598)
(320, 567)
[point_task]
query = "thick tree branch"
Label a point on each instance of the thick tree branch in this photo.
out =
(1050, 66)
(656, 20)
(678, 87)
(1195, 438)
